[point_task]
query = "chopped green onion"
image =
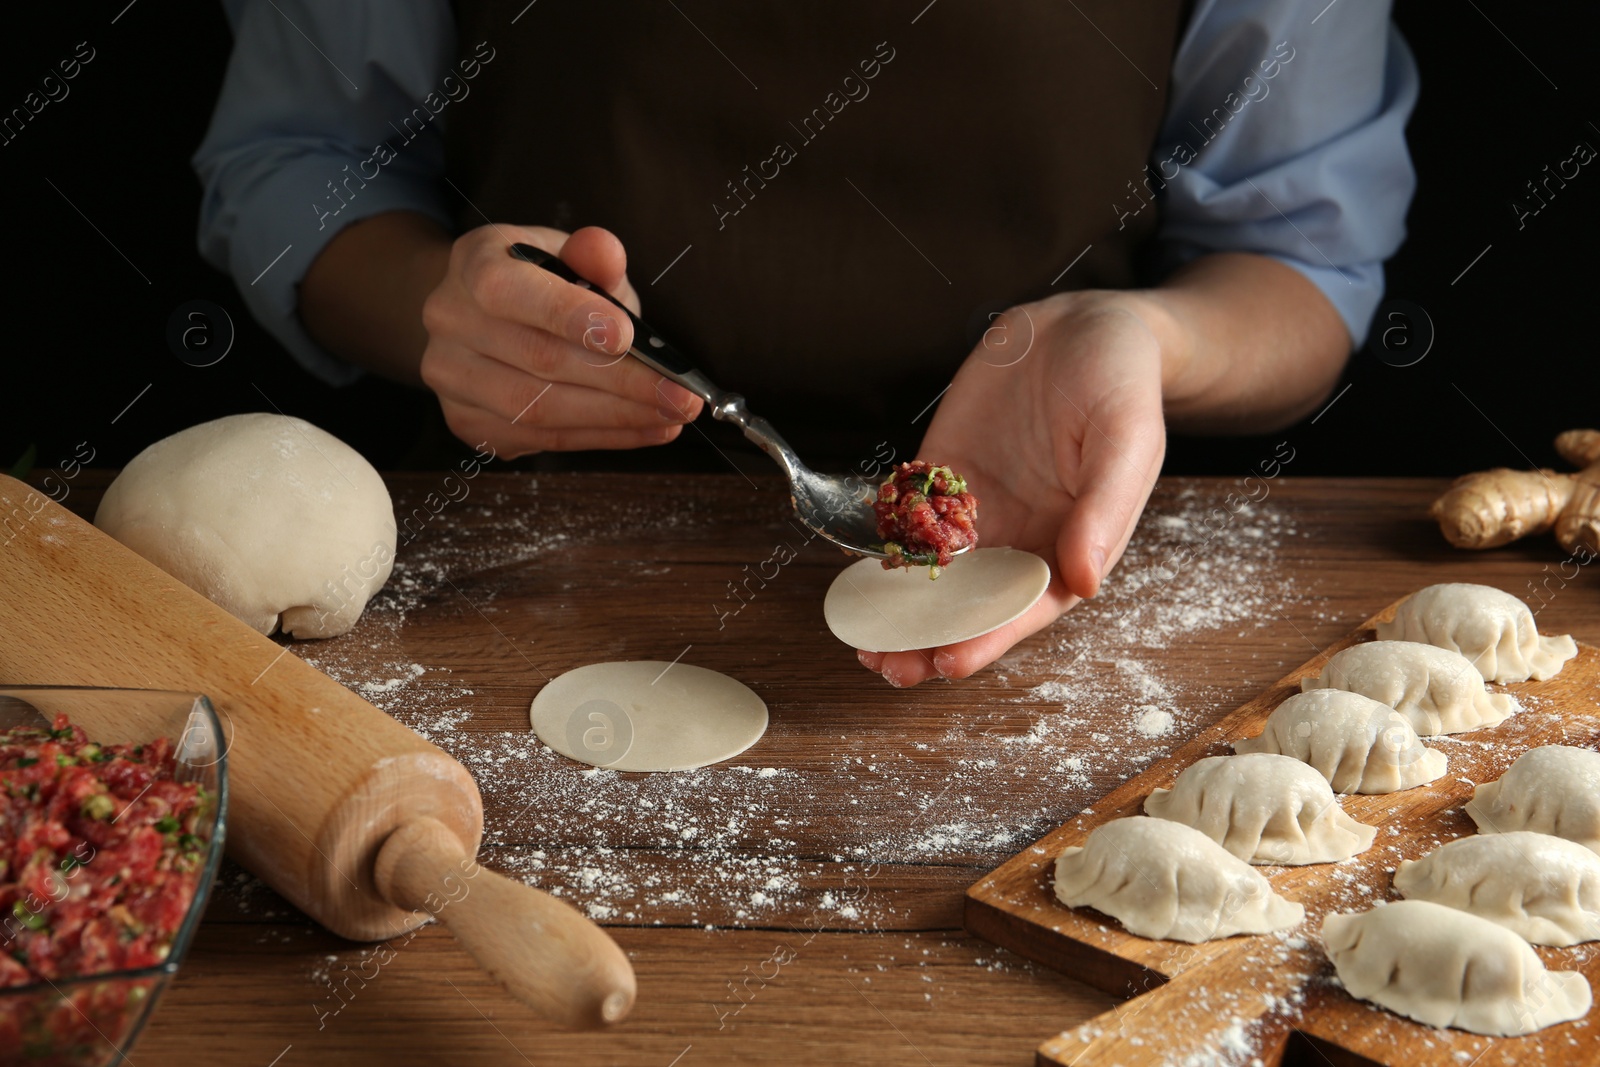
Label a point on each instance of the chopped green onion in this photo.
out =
(99, 806)
(953, 482)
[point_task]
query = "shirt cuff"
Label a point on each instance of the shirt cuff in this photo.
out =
(1354, 290)
(279, 231)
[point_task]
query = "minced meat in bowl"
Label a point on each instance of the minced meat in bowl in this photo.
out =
(108, 849)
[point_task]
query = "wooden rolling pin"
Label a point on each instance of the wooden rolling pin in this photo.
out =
(357, 820)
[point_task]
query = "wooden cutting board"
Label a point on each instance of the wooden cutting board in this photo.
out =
(1271, 996)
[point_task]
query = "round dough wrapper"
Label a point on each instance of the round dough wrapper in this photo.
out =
(876, 610)
(648, 715)
(274, 520)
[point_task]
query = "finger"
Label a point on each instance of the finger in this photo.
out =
(510, 440)
(902, 669)
(899, 669)
(968, 657)
(1120, 460)
(628, 295)
(597, 254)
(964, 658)
(517, 397)
(542, 354)
(510, 288)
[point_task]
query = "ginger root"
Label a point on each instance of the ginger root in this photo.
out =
(1495, 507)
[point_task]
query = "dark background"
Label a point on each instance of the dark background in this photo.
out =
(1511, 361)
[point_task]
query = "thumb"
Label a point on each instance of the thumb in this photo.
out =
(597, 254)
(1119, 476)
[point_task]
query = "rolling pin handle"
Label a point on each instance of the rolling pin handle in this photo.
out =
(541, 949)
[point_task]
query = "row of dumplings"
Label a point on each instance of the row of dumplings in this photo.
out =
(1456, 951)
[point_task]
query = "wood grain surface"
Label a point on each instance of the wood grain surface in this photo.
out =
(511, 579)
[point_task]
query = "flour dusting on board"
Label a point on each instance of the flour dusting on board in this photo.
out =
(761, 843)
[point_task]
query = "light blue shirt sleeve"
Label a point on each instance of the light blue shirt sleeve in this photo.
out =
(312, 89)
(1285, 136)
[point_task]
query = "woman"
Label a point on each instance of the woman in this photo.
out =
(1092, 221)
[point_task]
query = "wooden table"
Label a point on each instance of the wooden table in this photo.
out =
(802, 903)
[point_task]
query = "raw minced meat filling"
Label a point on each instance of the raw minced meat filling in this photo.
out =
(99, 853)
(925, 516)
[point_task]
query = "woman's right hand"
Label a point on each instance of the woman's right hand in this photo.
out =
(526, 362)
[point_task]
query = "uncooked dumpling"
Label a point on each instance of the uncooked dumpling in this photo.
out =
(1446, 967)
(1544, 889)
(276, 521)
(1163, 880)
(1550, 790)
(1357, 744)
(1263, 808)
(1489, 626)
(1438, 691)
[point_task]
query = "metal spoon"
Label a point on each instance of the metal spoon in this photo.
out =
(837, 506)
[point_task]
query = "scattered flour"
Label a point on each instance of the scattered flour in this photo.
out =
(760, 846)
(1153, 721)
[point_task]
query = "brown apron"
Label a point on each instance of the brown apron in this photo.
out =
(824, 203)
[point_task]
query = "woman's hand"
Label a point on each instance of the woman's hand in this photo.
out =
(1055, 420)
(528, 363)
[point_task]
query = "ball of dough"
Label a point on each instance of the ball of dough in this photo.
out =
(278, 522)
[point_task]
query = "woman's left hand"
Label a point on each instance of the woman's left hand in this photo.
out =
(1055, 420)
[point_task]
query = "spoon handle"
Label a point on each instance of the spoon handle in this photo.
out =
(661, 355)
(649, 347)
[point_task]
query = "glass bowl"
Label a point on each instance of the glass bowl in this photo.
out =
(92, 1020)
